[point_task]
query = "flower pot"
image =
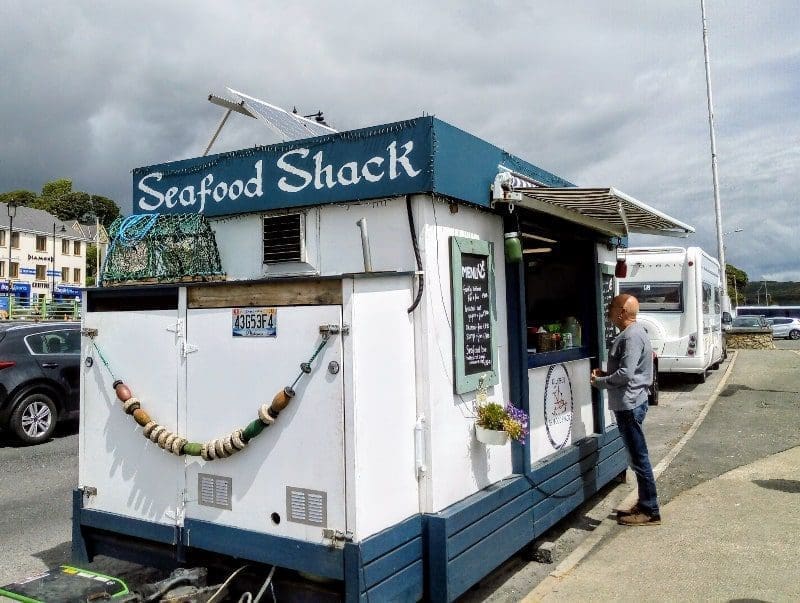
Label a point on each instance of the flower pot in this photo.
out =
(491, 437)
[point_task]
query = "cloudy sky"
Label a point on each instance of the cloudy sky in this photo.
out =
(608, 93)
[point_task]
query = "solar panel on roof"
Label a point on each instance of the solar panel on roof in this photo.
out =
(288, 125)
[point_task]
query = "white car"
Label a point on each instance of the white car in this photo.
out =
(785, 327)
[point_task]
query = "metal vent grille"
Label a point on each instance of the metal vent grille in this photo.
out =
(214, 490)
(306, 506)
(283, 239)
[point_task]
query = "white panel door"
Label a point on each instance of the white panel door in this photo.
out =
(228, 378)
(133, 476)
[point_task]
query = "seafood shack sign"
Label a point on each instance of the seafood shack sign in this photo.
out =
(362, 164)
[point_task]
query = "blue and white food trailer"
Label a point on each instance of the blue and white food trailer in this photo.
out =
(377, 275)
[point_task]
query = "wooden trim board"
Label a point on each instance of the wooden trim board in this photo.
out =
(287, 293)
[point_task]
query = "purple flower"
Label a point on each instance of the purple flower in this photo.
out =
(516, 423)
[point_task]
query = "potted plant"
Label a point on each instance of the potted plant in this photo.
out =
(495, 424)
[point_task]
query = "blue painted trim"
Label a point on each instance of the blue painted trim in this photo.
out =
(406, 586)
(489, 524)
(392, 563)
(517, 348)
(265, 548)
(378, 544)
(80, 550)
(463, 513)
(353, 577)
(555, 357)
(128, 526)
(553, 509)
(436, 556)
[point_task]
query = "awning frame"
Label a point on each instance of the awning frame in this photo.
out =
(620, 214)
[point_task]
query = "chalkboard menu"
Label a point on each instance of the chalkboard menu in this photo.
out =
(608, 294)
(472, 271)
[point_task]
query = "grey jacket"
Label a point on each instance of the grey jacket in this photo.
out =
(630, 369)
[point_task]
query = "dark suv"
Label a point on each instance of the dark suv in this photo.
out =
(39, 377)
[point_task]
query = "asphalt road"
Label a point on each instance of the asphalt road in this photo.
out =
(755, 415)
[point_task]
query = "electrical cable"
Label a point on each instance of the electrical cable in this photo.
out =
(225, 584)
(267, 582)
(414, 243)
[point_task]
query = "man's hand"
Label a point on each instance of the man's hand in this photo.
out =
(595, 373)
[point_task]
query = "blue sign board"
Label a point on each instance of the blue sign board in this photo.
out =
(27, 270)
(414, 156)
(71, 291)
(16, 288)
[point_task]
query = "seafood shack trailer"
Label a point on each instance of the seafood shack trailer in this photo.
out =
(282, 364)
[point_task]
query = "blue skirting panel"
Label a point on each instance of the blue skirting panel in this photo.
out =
(387, 566)
(468, 540)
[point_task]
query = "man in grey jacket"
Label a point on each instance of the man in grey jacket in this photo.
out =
(628, 379)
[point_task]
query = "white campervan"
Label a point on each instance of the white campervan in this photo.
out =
(680, 305)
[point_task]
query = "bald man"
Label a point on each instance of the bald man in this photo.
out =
(629, 376)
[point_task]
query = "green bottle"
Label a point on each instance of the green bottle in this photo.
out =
(513, 247)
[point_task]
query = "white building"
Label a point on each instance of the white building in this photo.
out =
(42, 256)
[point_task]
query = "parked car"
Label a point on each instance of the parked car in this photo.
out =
(785, 327)
(750, 322)
(39, 377)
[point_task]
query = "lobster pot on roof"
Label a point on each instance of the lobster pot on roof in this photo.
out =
(160, 247)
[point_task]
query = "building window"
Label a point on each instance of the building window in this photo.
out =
(41, 243)
(76, 248)
(41, 272)
(64, 247)
(15, 240)
(2, 269)
(14, 269)
(76, 273)
(65, 274)
(3, 238)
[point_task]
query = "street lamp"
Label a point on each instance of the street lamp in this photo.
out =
(53, 273)
(11, 207)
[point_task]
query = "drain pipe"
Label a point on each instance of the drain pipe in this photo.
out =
(362, 224)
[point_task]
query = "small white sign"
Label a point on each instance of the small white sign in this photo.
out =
(254, 322)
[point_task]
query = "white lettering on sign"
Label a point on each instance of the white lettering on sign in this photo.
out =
(298, 174)
(189, 195)
(474, 273)
(326, 176)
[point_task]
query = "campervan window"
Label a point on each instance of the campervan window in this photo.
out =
(708, 298)
(655, 297)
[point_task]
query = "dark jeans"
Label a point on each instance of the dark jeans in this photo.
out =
(629, 423)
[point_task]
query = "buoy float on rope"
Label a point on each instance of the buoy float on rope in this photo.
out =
(219, 448)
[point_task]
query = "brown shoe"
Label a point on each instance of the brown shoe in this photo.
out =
(624, 512)
(639, 519)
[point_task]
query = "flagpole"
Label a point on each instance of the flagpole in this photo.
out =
(726, 301)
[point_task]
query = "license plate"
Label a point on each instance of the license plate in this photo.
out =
(254, 322)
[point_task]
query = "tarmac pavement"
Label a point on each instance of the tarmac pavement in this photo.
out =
(730, 505)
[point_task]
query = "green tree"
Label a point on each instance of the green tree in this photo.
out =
(55, 189)
(91, 264)
(22, 197)
(737, 281)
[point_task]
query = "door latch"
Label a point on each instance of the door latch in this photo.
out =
(334, 329)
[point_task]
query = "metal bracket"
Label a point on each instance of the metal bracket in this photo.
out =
(89, 491)
(337, 537)
(188, 348)
(89, 332)
(334, 329)
(178, 328)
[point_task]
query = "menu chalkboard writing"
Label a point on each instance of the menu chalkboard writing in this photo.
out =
(477, 314)
(472, 288)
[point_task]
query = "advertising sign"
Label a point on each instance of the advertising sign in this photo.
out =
(361, 164)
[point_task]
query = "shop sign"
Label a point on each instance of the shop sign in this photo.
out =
(370, 163)
(16, 288)
(61, 290)
(27, 270)
(40, 258)
(558, 406)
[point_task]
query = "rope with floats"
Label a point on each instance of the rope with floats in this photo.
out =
(218, 448)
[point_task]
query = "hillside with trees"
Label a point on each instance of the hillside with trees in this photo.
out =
(58, 198)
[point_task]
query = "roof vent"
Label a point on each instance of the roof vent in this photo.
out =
(283, 238)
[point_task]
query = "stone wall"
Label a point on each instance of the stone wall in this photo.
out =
(749, 340)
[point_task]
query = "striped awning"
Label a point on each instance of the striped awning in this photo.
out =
(603, 209)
